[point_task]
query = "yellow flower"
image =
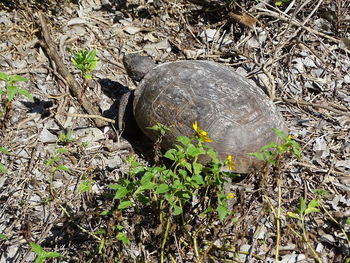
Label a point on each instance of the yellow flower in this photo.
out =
(202, 134)
(230, 196)
(230, 164)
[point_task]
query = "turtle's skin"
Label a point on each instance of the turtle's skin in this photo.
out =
(236, 115)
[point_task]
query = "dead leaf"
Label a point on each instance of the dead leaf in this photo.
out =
(244, 19)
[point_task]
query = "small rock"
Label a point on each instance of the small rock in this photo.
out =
(46, 136)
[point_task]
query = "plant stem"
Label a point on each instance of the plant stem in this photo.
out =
(335, 221)
(307, 242)
(278, 216)
(165, 237)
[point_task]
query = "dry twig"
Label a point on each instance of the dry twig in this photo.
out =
(74, 86)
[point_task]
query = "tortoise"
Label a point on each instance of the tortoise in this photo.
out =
(236, 115)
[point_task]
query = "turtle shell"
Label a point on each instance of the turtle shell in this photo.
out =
(236, 115)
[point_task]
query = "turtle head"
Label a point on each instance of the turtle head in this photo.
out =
(137, 66)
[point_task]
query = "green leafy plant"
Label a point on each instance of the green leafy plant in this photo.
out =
(300, 214)
(66, 137)
(85, 185)
(2, 166)
(179, 183)
(173, 187)
(11, 90)
(303, 210)
(54, 160)
(282, 2)
(85, 61)
(2, 236)
(270, 153)
(42, 254)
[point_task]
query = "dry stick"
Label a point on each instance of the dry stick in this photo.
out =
(73, 85)
(296, 23)
(89, 116)
(316, 105)
(322, 170)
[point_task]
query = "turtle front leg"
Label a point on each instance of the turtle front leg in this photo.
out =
(126, 120)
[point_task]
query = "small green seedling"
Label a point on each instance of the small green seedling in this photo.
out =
(66, 137)
(55, 158)
(85, 185)
(120, 235)
(2, 236)
(3, 169)
(85, 61)
(304, 210)
(300, 214)
(272, 151)
(11, 89)
(282, 2)
(42, 254)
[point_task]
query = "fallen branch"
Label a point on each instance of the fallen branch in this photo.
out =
(74, 87)
(316, 105)
(321, 170)
(99, 117)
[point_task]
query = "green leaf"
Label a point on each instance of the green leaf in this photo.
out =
(106, 213)
(279, 133)
(170, 154)
(222, 211)
(53, 255)
(162, 188)
(268, 146)
(146, 178)
(197, 168)
(25, 93)
(192, 151)
(313, 203)
(311, 210)
(39, 259)
(302, 206)
(178, 185)
(101, 246)
(4, 150)
(320, 192)
(258, 155)
(37, 249)
(84, 186)
(198, 179)
(149, 186)
(61, 150)
(187, 165)
(293, 215)
(114, 186)
(122, 237)
(4, 76)
(212, 155)
(119, 227)
(17, 78)
(3, 169)
(2, 236)
(184, 140)
(62, 167)
(347, 221)
(11, 92)
(121, 192)
(124, 204)
(177, 210)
